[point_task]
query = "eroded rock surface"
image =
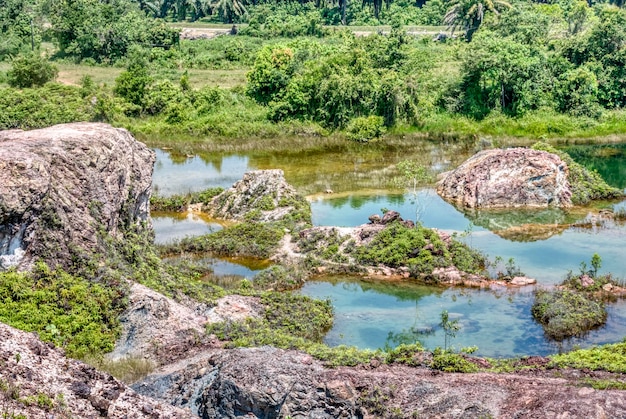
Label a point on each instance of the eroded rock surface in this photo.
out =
(514, 177)
(162, 330)
(271, 383)
(262, 195)
(37, 381)
(60, 185)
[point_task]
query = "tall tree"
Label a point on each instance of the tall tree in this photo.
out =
(469, 14)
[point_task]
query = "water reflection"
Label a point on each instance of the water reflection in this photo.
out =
(169, 227)
(544, 243)
(371, 315)
(176, 174)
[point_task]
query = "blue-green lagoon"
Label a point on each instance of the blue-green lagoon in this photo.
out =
(544, 244)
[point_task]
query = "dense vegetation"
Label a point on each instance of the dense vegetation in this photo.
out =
(522, 70)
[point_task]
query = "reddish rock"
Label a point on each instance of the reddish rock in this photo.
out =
(514, 177)
(42, 383)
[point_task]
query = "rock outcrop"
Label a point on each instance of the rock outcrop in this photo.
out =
(269, 383)
(61, 185)
(262, 195)
(514, 177)
(159, 329)
(38, 381)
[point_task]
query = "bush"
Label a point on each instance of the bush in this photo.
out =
(30, 70)
(43, 106)
(365, 128)
(564, 313)
(67, 310)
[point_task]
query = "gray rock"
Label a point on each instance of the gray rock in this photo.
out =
(265, 192)
(62, 184)
(514, 177)
(77, 390)
(273, 383)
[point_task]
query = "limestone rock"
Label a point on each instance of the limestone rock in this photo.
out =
(264, 192)
(41, 383)
(514, 177)
(156, 327)
(61, 184)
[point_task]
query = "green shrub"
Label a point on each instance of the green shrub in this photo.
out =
(365, 128)
(398, 245)
(70, 311)
(30, 70)
(449, 361)
(565, 313)
(132, 84)
(610, 357)
(44, 106)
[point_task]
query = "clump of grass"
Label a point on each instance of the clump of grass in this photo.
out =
(566, 313)
(128, 369)
(606, 384)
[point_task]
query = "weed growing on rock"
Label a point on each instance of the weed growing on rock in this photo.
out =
(128, 369)
(611, 357)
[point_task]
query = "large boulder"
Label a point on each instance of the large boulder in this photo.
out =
(514, 177)
(62, 185)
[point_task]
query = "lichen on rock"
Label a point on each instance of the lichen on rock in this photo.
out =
(514, 177)
(63, 184)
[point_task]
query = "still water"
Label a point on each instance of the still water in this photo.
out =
(545, 244)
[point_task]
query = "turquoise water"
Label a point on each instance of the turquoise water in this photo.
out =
(498, 322)
(545, 244)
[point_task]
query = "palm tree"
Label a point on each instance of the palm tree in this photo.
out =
(469, 14)
(228, 10)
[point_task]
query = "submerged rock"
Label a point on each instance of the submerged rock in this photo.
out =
(62, 185)
(514, 177)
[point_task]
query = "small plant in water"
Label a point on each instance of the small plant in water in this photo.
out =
(450, 327)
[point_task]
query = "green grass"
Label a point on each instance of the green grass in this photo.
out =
(610, 358)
